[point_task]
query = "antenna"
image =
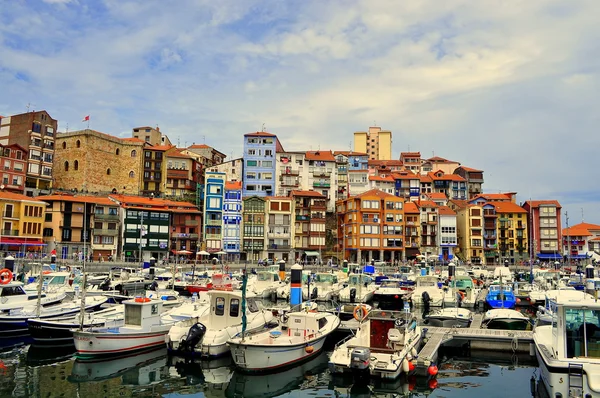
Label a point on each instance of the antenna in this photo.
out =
(263, 128)
(29, 105)
(204, 139)
(67, 128)
(582, 214)
(178, 143)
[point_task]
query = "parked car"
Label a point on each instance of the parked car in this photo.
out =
(265, 262)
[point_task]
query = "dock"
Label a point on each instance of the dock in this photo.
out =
(516, 341)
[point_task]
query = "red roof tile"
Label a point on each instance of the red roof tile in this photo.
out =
(326, 156)
(436, 195)
(382, 179)
(462, 204)
(375, 192)
(465, 168)
(233, 185)
(79, 198)
(581, 229)
(508, 207)
(410, 155)
(446, 211)
(411, 207)
(538, 203)
(199, 146)
(427, 203)
(313, 194)
(350, 153)
(17, 196)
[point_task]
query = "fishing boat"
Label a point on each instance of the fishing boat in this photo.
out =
(500, 296)
(431, 286)
(383, 346)
(207, 335)
(360, 289)
(13, 296)
(266, 284)
(324, 286)
(143, 328)
(449, 317)
(568, 350)
(299, 337)
(505, 319)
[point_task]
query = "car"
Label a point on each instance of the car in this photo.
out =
(266, 262)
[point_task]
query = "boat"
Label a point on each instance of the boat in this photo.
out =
(469, 289)
(218, 281)
(58, 331)
(432, 286)
(568, 350)
(383, 346)
(143, 328)
(390, 295)
(299, 337)
(207, 335)
(324, 286)
(360, 289)
(544, 313)
(266, 284)
(449, 317)
(13, 296)
(15, 322)
(500, 296)
(505, 319)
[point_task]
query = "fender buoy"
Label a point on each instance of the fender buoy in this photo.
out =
(432, 370)
(405, 366)
(462, 295)
(6, 276)
(309, 349)
(142, 299)
(360, 312)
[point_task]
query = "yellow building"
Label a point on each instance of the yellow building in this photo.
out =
(21, 218)
(376, 143)
(469, 229)
(512, 232)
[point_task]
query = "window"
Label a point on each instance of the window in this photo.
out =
(131, 174)
(148, 154)
(76, 165)
(107, 172)
(64, 145)
(133, 153)
(78, 144)
(220, 306)
(66, 166)
(117, 151)
(234, 307)
(251, 163)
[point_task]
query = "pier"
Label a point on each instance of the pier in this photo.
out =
(516, 341)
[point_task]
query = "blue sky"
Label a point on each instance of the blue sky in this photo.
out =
(507, 86)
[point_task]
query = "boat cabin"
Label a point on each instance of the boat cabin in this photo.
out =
(388, 330)
(462, 283)
(576, 327)
(325, 278)
(427, 281)
(226, 308)
(267, 276)
(142, 313)
(222, 282)
(305, 323)
(358, 279)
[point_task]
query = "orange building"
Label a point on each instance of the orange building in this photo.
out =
(372, 227)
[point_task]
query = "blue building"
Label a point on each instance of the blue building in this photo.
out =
(232, 220)
(214, 195)
(259, 164)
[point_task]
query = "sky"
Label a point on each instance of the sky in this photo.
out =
(506, 86)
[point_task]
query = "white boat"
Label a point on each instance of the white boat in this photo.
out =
(449, 317)
(13, 296)
(467, 289)
(544, 313)
(299, 337)
(505, 319)
(207, 335)
(324, 286)
(266, 284)
(383, 346)
(568, 350)
(360, 289)
(390, 296)
(142, 330)
(429, 285)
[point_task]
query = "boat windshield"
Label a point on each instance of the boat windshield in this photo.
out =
(326, 278)
(265, 276)
(463, 283)
(582, 332)
(55, 280)
(389, 283)
(354, 279)
(497, 288)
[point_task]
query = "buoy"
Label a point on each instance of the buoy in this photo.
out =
(433, 383)
(413, 352)
(405, 366)
(432, 370)
(396, 296)
(518, 300)
(142, 299)
(411, 366)
(6, 276)
(309, 349)
(360, 312)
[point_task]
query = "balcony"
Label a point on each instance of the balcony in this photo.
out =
(279, 247)
(278, 235)
(489, 254)
(171, 173)
(504, 226)
(184, 236)
(489, 213)
(106, 232)
(319, 203)
(489, 236)
(289, 182)
(106, 217)
(303, 218)
(520, 226)
(9, 232)
(287, 171)
(317, 216)
(212, 236)
(321, 173)
(213, 222)
(320, 184)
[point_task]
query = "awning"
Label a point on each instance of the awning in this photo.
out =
(549, 256)
(5, 240)
(311, 254)
(577, 256)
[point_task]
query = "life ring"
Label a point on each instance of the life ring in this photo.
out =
(142, 299)
(462, 295)
(6, 276)
(360, 312)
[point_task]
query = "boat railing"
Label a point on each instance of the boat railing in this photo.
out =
(343, 341)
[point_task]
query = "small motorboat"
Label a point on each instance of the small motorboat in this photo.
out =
(500, 296)
(449, 317)
(505, 319)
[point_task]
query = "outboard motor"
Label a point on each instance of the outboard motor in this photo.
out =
(194, 336)
(105, 285)
(315, 293)
(426, 301)
(360, 359)
(353, 295)
(273, 296)
(153, 286)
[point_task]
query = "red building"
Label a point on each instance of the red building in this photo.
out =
(544, 229)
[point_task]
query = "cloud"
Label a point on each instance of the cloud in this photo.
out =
(507, 87)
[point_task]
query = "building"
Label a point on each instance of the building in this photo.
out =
(35, 132)
(544, 229)
(206, 154)
(437, 163)
(411, 161)
(309, 225)
(186, 224)
(151, 136)
(412, 230)
(429, 225)
(14, 159)
(580, 242)
(89, 161)
(260, 149)
(377, 143)
(280, 228)
(214, 197)
(154, 177)
(448, 240)
(371, 226)
(232, 220)
(290, 172)
(233, 169)
(470, 231)
(451, 185)
(513, 244)
(22, 222)
(474, 179)
(322, 175)
(407, 184)
(253, 236)
(182, 176)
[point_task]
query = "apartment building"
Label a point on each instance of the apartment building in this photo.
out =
(377, 143)
(280, 228)
(214, 198)
(474, 179)
(232, 220)
(13, 158)
(260, 149)
(544, 222)
(253, 237)
(21, 223)
(309, 225)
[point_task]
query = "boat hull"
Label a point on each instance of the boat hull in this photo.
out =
(507, 324)
(390, 302)
(96, 344)
(56, 334)
(263, 358)
(445, 322)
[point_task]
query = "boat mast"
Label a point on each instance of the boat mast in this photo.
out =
(83, 271)
(244, 283)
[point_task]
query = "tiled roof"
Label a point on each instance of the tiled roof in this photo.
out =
(446, 211)
(350, 153)
(425, 178)
(313, 194)
(260, 134)
(17, 196)
(386, 163)
(404, 175)
(438, 159)
(465, 168)
(427, 203)
(326, 156)
(161, 147)
(78, 198)
(436, 195)
(382, 179)
(444, 177)
(177, 154)
(538, 203)
(199, 146)
(581, 229)
(460, 203)
(130, 139)
(492, 196)
(410, 155)
(233, 185)
(411, 207)
(375, 192)
(508, 207)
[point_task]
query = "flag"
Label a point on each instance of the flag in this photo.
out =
(86, 118)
